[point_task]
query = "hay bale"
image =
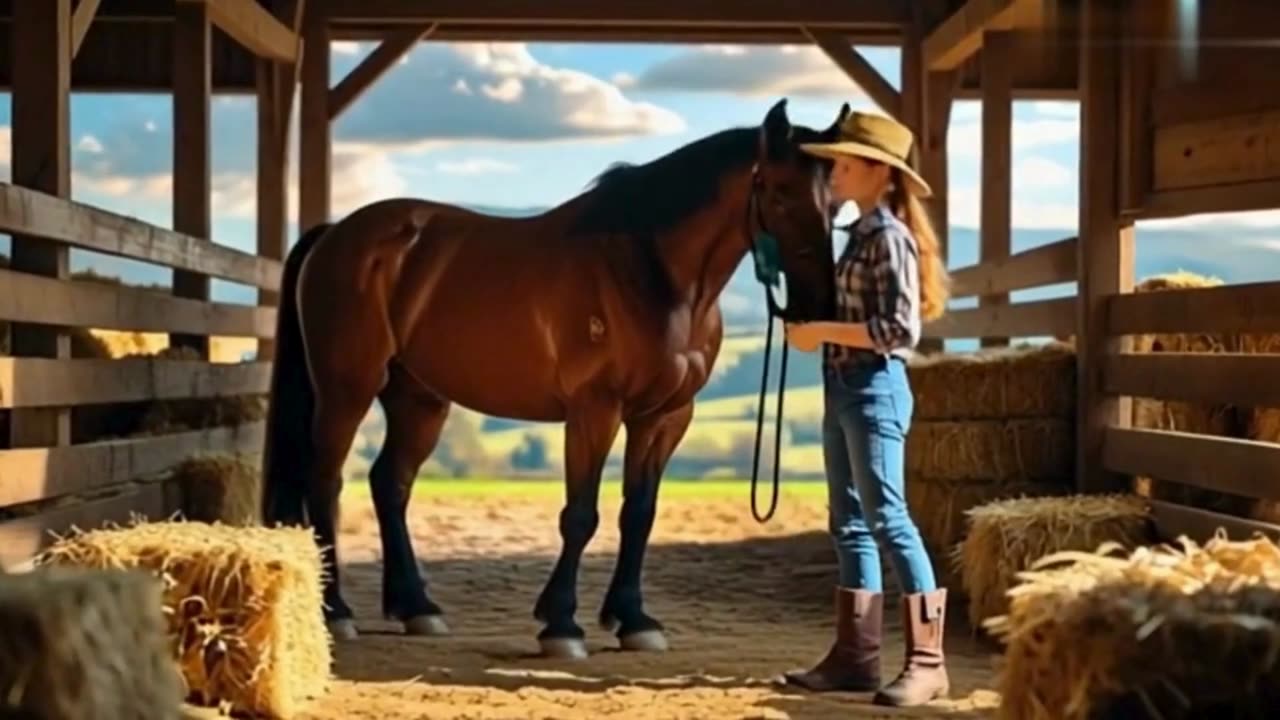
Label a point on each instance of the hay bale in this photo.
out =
(1164, 633)
(219, 487)
(85, 645)
(1263, 423)
(938, 508)
(1023, 381)
(1005, 537)
(244, 606)
(1021, 450)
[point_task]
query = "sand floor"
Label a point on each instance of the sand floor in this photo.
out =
(742, 602)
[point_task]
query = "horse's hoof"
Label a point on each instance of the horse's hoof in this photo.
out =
(343, 630)
(564, 648)
(645, 641)
(426, 625)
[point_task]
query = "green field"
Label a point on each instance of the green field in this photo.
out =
(541, 487)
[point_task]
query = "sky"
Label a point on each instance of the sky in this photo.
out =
(518, 125)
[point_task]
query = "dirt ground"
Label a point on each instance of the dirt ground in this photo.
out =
(742, 602)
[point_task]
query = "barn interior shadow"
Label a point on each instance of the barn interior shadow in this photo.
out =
(738, 613)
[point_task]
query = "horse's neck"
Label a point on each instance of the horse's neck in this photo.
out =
(702, 254)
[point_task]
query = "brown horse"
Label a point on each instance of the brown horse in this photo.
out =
(600, 312)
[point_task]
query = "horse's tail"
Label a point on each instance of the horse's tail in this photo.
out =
(288, 435)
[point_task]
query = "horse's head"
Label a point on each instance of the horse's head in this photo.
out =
(792, 204)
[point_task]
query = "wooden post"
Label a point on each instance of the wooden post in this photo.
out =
(1105, 248)
(939, 90)
(912, 85)
(277, 83)
(315, 151)
(191, 170)
(996, 223)
(41, 160)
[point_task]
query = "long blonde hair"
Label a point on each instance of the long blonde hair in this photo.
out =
(935, 282)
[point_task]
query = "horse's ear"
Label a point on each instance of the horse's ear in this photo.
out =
(775, 132)
(833, 133)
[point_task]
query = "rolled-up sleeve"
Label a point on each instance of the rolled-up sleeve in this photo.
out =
(892, 322)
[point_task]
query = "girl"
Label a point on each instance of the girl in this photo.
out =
(889, 279)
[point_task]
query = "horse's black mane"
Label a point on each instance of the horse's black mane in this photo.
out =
(642, 201)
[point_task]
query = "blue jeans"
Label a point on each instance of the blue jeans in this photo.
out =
(868, 406)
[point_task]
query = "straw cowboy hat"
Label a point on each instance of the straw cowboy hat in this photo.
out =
(874, 137)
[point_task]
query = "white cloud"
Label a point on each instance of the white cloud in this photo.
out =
(476, 166)
(1254, 220)
(965, 202)
(494, 92)
(796, 70)
(1037, 171)
(90, 144)
(1057, 109)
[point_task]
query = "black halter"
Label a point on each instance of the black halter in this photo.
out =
(768, 266)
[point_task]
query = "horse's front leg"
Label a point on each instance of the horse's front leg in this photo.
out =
(590, 431)
(650, 444)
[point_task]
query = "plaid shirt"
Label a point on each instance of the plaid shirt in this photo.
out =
(878, 283)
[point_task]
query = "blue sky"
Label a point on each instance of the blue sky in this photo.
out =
(528, 125)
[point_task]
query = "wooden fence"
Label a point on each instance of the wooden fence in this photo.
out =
(1048, 264)
(1247, 381)
(45, 489)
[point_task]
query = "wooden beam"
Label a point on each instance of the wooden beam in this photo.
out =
(1241, 467)
(21, 538)
(1105, 251)
(996, 220)
(961, 35)
(251, 25)
(192, 174)
(364, 75)
(1025, 319)
(1243, 307)
(41, 160)
(277, 84)
(741, 13)
(30, 298)
(1226, 198)
(1137, 78)
(80, 23)
(24, 211)
(1172, 521)
(1242, 379)
(41, 382)
(1048, 264)
(315, 155)
(861, 72)
(34, 474)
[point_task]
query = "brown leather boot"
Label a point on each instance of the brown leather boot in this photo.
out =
(924, 673)
(853, 662)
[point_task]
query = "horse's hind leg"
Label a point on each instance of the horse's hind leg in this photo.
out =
(342, 400)
(415, 417)
(650, 444)
(590, 431)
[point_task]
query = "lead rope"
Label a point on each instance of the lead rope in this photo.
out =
(773, 311)
(777, 438)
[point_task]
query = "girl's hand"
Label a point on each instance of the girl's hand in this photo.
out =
(805, 337)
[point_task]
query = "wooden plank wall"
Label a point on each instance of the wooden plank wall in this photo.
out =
(1199, 132)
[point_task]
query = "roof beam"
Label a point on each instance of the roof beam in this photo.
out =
(594, 13)
(249, 24)
(80, 21)
(959, 37)
(863, 74)
(364, 75)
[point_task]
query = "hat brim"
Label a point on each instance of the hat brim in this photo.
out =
(920, 188)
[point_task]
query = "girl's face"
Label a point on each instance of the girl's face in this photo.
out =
(857, 180)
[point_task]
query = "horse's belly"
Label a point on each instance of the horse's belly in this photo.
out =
(502, 374)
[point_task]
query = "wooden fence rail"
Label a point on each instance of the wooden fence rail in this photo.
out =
(1048, 264)
(49, 489)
